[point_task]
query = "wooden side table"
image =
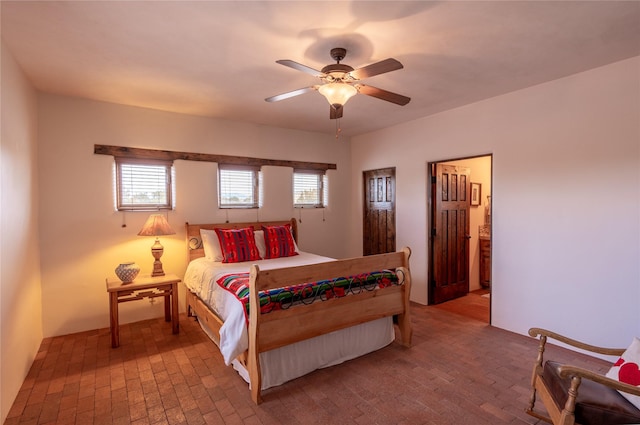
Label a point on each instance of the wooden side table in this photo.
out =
(143, 286)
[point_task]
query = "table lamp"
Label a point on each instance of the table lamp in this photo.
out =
(156, 225)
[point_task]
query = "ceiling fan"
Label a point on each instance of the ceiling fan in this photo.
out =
(340, 82)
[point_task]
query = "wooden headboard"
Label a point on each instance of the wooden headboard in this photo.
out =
(194, 242)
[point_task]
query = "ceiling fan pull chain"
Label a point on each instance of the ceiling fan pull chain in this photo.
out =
(338, 129)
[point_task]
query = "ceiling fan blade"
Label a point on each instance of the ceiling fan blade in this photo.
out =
(396, 98)
(377, 68)
(335, 113)
(300, 67)
(290, 94)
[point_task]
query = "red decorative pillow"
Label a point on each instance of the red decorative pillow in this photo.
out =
(238, 245)
(279, 241)
(626, 370)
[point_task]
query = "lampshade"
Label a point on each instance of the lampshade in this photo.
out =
(337, 93)
(156, 225)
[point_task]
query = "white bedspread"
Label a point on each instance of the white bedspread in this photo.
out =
(201, 277)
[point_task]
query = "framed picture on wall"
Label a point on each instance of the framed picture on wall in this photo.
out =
(476, 188)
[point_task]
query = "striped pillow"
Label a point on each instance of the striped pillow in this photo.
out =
(279, 241)
(238, 245)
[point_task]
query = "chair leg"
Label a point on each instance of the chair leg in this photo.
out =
(537, 371)
(529, 410)
(532, 399)
(568, 412)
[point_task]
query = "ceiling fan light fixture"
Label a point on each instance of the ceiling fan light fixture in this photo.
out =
(337, 93)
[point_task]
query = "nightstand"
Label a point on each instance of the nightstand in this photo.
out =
(144, 286)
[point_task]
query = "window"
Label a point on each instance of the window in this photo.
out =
(309, 189)
(143, 184)
(238, 186)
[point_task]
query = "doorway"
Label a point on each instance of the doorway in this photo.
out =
(459, 240)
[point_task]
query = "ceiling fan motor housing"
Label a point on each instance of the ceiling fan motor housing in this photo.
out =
(336, 72)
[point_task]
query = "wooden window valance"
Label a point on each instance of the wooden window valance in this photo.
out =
(122, 151)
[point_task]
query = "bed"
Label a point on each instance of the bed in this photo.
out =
(271, 336)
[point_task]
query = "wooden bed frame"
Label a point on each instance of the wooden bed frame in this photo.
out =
(273, 330)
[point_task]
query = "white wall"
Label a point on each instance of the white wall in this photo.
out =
(82, 238)
(20, 294)
(566, 198)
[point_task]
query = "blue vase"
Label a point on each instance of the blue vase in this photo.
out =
(127, 272)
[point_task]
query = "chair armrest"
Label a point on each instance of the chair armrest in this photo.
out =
(571, 371)
(534, 332)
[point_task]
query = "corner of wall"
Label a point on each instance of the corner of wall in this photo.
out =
(21, 329)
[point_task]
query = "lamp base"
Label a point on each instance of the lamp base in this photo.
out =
(157, 269)
(157, 250)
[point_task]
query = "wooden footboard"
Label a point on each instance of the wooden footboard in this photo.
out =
(273, 330)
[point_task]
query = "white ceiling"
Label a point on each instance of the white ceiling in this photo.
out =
(217, 58)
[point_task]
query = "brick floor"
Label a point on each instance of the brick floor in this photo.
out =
(459, 371)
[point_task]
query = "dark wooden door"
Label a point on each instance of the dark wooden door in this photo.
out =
(449, 269)
(379, 232)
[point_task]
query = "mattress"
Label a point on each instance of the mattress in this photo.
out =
(289, 362)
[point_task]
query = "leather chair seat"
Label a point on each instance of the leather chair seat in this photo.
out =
(596, 404)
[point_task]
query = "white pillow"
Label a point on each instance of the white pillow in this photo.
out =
(295, 244)
(212, 250)
(262, 247)
(626, 370)
(211, 245)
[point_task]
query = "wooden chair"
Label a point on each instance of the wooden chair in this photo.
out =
(573, 395)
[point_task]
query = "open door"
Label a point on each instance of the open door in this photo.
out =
(379, 221)
(449, 241)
